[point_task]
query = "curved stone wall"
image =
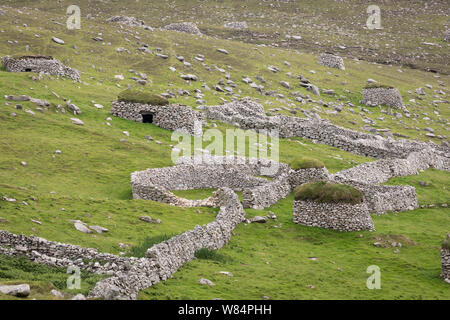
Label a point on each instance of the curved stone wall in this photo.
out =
(167, 257)
(335, 216)
(445, 261)
(248, 114)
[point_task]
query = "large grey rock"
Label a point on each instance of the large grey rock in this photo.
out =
(20, 290)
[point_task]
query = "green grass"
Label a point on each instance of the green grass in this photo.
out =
(42, 279)
(91, 178)
(328, 192)
(306, 163)
(213, 255)
(140, 250)
(274, 259)
(137, 96)
(377, 85)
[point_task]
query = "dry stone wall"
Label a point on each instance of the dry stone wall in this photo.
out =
(248, 114)
(167, 257)
(171, 117)
(130, 275)
(445, 260)
(335, 216)
(39, 64)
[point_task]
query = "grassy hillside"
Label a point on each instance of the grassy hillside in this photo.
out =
(90, 179)
(411, 34)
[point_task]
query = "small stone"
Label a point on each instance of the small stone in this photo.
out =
(20, 290)
(57, 40)
(57, 293)
(206, 282)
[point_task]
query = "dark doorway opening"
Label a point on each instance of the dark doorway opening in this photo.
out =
(28, 70)
(147, 118)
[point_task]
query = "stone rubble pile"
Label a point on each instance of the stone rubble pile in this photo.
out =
(188, 27)
(38, 64)
(129, 21)
(332, 61)
(167, 257)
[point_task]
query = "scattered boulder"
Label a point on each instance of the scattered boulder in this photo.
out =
(20, 290)
(150, 219)
(80, 226)
(79, 297)
(58, 40)
(206, 282)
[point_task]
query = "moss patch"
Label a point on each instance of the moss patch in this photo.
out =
(377, 85)
(306, 163)
(137, 96)
(327, 192)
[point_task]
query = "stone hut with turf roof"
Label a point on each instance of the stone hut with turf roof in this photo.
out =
(331, 206)
(376, 95)
(38, 63)
(150, 108)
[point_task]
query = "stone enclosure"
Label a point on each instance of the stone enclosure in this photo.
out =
(382, 96)
(45, 64)
(335, 216)
(332, 61)
(170, 117)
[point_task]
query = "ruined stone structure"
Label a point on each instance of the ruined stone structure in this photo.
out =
(248, 114)
(332, 61)
(38, 64)
(188, 27)
(236, 25)
(335, 216)
(129, 21)
(445, 260)
(170, 117)
(382, 96)
(236, 173)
